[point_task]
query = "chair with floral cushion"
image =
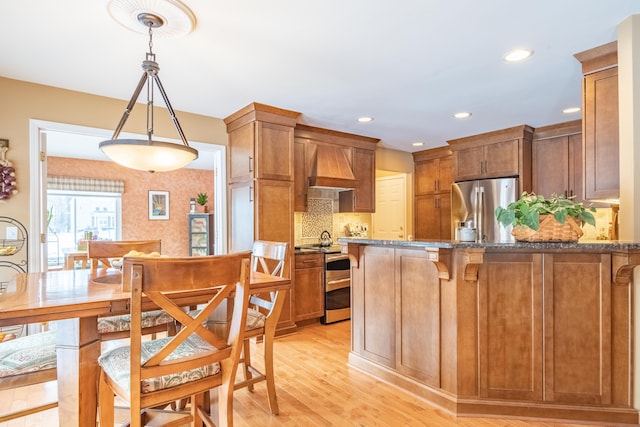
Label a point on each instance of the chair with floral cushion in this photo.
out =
(149, 374)
(117, 327)
(262, 318)
(28, 360)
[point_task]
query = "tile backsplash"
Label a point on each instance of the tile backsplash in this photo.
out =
(323, 214)
(601, 230)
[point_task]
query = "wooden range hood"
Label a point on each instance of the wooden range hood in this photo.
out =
(331, 169)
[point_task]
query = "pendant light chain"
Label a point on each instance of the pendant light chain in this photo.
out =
(150, 57)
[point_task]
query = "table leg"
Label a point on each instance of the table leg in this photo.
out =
(78, 348)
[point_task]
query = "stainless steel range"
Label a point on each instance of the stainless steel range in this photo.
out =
(337, 287)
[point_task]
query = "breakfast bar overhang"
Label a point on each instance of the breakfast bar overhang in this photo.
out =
(524, 330)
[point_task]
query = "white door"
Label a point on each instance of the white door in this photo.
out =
(389, 221)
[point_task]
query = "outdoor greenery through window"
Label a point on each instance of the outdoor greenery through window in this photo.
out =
(74, 216)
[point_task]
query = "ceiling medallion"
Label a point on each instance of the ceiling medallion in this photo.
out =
(177, 18)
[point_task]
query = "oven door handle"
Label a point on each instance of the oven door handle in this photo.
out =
(338, 284)
(333, 258)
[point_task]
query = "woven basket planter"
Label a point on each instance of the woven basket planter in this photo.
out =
(550, 230)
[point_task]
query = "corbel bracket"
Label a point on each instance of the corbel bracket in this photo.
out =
(472, 259)
(434, 256)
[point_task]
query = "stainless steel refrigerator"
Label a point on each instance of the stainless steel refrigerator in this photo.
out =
(476, 202)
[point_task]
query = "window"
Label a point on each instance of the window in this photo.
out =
(75, 213)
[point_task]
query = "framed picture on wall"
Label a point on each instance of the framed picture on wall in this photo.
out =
(158, 204)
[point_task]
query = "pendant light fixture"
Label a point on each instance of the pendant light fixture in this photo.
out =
(147, 154)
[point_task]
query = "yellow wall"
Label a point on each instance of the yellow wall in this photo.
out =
(393, 162)
(22, 101)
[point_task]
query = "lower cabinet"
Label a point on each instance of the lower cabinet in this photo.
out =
(373, 305)
(545, 327)
(398, 322)
(309, 286)
(418, 352)
(510, 326)
(526, 332)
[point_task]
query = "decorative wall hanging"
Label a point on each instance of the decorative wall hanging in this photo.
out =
(8, 185)
(158, 204)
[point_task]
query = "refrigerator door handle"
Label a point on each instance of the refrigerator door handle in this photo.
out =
(476, 209)
(481, 213)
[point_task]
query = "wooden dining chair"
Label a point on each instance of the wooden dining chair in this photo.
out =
(118, 326)
(27, 360)
(104, 251)
(262, 318)
(152, 373)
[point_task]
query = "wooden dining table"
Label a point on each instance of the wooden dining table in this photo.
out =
(75, 299)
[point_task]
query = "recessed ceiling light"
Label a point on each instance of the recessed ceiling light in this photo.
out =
(418, 144)
(517, 55)
(462, 115)
(365, 119)
(571, 110)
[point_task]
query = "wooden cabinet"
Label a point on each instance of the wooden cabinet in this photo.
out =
(260, 149)
(578, 334)
(432, 186)
(300, 182)
(433, 171)
(533, 332)
(373, 310)
(432, 214)
(557, 160)
(498, 154)
(201, 241)
(363, 197)
(398, 322)
(260, 196)
(510, 326)
(418, 352)
(545, 327)
(309, 286)
(360, 154)
(600, 122)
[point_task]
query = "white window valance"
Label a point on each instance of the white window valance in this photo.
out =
(85, 184)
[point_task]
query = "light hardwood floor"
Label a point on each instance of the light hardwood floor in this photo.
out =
(315, 388)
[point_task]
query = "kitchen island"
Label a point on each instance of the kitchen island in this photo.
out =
(527, 330)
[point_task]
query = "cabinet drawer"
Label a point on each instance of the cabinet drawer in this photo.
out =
(309, 260)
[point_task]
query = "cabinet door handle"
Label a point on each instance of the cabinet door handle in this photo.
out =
(250, 164)
(251, 194)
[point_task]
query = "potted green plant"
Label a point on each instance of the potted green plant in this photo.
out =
(201, 200)
(535, 218)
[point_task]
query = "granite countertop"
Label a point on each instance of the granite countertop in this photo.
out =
(590, 245)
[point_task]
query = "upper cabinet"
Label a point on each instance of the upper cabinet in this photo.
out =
(557, 160)
(498, 154)
(337, 160)
(433, 171)
(261, 143)
(363, 197)
(432, 187)
(600, 128)
(260, 174)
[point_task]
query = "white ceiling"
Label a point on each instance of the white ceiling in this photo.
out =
(410, 64)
